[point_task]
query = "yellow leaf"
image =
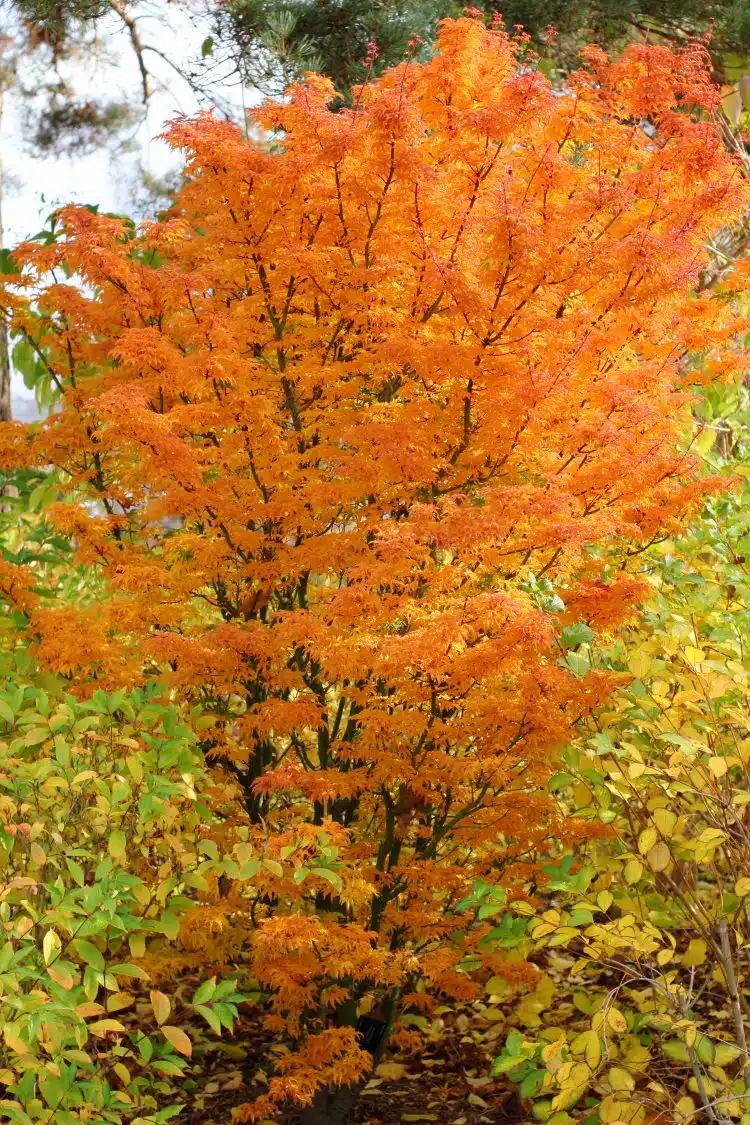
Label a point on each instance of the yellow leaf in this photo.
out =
(581, 795)
(695, 954)
(589, 1045)
(117, 843)
(633, 871)
(694, 655)
(496, 986)
(161, 1005)
(604, 900)
(104, 1027)
(717, 766)
(178, 1039)
(119, 1001)
(620, 1079)
(742, 887)
(545, 990)
(639, 664)
(391, 1070)
(51, 946)
(706, 439)
(616, 1020)
(474, 1099)
(14, 1041)
(89, 1009)
(135, 767)
(659, 857)
(664, 821)
(647, 839)
(122, 1073)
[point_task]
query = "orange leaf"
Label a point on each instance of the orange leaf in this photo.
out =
(178, 1039)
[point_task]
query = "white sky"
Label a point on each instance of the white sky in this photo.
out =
(34, 187)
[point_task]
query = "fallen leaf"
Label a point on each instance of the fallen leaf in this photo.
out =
(391, 1070)
(474, 1099)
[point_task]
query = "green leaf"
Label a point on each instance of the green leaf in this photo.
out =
(581, 918)
(170, 924)
(205, 991)
(578, 664)
(89, 954)
(573, 635)
(676, 1050)
(207, 47)
(75, 870)
(128, 970)
(331, 877)
(8, 264)
(210, 1017)
(705, 1051)
(532, 1083)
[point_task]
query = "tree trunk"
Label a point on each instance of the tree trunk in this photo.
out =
(332, 1107)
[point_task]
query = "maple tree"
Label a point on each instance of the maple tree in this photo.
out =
(355, 440)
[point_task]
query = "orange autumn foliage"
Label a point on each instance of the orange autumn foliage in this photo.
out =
(318, 426)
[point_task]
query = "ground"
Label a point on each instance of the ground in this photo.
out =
(447, 1083)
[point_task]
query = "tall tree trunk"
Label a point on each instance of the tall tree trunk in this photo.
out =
(5, 408)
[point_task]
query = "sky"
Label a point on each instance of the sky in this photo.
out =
(34, 186)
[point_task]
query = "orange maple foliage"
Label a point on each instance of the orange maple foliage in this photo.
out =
(333, 410)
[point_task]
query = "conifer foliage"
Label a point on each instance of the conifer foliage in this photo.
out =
(353, 437)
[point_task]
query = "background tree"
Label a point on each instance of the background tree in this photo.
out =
(273, 41)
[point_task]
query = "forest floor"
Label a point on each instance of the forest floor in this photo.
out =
(446, 1083)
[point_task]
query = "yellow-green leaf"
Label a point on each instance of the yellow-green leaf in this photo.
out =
(51, 946)
(161, 1005)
